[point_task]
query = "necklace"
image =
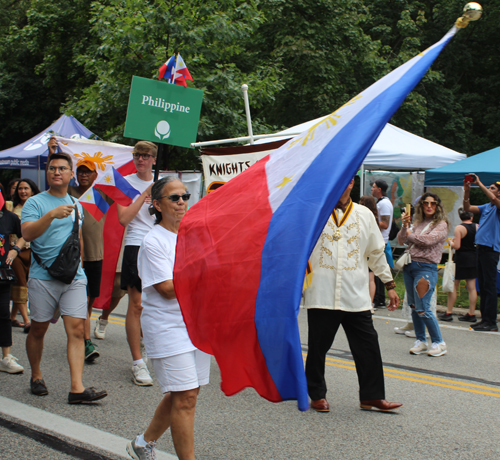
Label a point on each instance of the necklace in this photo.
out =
(337, 235)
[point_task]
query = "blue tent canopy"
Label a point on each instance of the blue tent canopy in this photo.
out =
(486, 165)
(32, 154)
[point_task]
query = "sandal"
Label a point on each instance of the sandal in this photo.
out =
(27, 327)
(16, 323)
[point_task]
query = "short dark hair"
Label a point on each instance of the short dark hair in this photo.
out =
(464, 215)
(382, 185)
(60, 156)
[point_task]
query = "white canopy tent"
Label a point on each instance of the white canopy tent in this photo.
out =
(394, 150)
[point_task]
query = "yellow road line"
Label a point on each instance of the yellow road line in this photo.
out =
(419, 378)
(112, 319)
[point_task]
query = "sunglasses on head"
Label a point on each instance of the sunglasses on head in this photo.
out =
(430, 203)
(176, 198)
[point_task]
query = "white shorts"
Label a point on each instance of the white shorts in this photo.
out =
(46, 295)
(182, 372)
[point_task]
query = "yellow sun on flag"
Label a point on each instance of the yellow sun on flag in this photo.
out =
(285, 181)
(108, 179)
(88, 197)
(101, 162)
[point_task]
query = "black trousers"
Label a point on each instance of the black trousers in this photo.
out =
(487, 261)
(5, 323)
(379, 298)
(363, 342)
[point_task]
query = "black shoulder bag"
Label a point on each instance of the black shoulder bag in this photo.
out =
(66, 265)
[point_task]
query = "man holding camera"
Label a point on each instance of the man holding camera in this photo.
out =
(488, 250)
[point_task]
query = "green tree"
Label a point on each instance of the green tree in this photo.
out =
(323, 54)
(135, 37)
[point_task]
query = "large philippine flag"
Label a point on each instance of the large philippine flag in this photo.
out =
(242, 251)
(94, 203)
(117, 187)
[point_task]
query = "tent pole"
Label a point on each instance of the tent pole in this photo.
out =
(247, 111)
(362, 181)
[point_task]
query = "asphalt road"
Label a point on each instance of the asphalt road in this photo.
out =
(451, 405)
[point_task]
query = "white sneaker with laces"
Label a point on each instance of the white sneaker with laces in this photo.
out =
(141, 375)
(142, 453)
(9, 364)
(412, 334)
(437, 349)
(404, 329)
(100, 328)
(418, 348)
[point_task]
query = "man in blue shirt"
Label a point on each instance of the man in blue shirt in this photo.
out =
(47, 220)
(488, 251)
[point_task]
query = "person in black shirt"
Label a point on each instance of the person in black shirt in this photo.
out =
(9, 225)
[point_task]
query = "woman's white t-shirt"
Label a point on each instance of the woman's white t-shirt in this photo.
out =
(163, 326)
(143, 222)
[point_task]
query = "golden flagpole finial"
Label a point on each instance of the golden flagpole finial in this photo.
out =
(472, 12)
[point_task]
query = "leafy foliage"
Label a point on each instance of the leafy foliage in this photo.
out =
(301, 59)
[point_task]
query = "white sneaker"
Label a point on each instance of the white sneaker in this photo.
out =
(141, 375)
(412, 334)
(401, 330)
(438, 349)
(418, 348)
(100, 328)
(142, 453)
(9, 364)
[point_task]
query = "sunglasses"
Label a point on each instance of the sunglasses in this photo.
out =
(144, 156)
(430, 203)
(176, 198)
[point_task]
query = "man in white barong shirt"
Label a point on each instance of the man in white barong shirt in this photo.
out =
(339, 294)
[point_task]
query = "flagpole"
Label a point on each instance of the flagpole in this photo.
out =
(247, 111)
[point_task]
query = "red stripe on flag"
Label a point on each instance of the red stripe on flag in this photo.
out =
(113, 236)
(93, 210)
(227, 329)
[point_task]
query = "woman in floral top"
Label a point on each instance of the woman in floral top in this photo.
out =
(425, 240)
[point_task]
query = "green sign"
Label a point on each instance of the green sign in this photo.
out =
(161, 112)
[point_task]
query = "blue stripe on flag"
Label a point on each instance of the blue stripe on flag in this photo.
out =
(297, 224)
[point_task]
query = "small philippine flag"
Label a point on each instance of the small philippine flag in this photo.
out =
(94, 203)
(117, 187)
(166, 69)
(181, 72)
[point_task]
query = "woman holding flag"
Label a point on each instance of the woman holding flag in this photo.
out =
(179, 366)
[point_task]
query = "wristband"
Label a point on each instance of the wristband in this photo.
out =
(466, 199)
(390, 285)
(17, 249)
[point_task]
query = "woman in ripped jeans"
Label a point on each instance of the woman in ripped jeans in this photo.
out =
(425, 240)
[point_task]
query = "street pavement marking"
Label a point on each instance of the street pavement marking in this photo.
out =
(112, 319)
(419, 378)
(465, 327)
(69, 428)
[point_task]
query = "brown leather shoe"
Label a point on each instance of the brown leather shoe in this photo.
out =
(379, 404)
(320, 405)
